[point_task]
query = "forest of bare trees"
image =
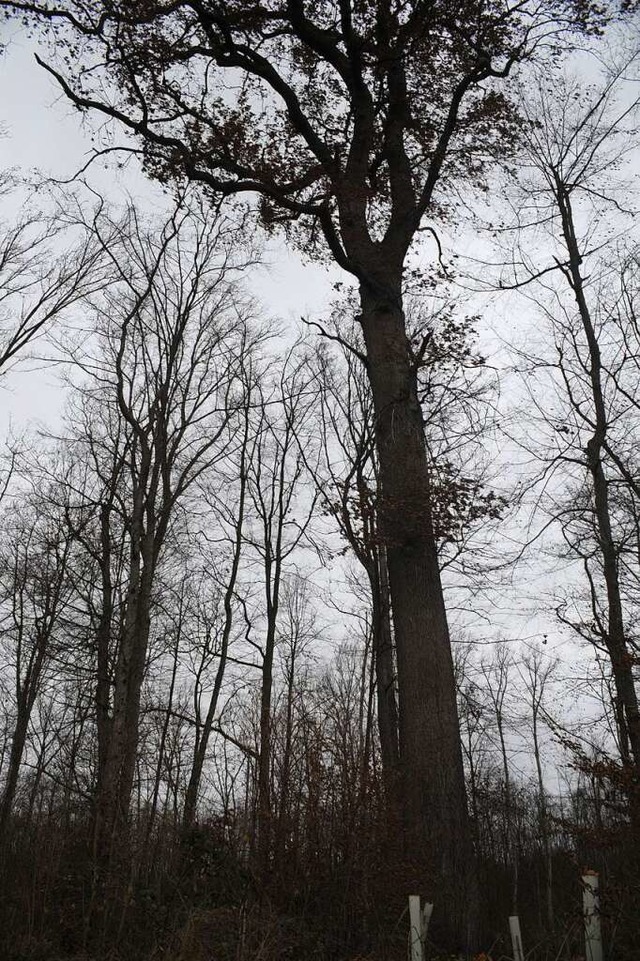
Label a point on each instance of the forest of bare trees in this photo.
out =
(298, 620)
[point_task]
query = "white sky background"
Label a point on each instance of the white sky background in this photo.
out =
(43, 132)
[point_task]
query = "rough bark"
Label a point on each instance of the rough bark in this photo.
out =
(383, 654)
(112, 802)
(436, 823)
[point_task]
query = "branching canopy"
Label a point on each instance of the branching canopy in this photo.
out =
(350, 114)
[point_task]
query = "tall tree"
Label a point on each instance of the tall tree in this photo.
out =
(348, 486)
(35, 592)
(454, 395)
(281, 518)
(574, 155)
(537, 674)
(165, 383)
(353, 122)
(496, 677)
(231, 512)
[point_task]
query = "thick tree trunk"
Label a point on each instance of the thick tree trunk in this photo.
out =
(436, 823)
(383, 654)
(113, 799)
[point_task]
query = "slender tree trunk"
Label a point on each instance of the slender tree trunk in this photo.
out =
(202, 742)
(13, 771)
(26, 698)
(284, 820)
(103, 641)
(544, 827)
(432, 778)
(510, 833)
(103, 679)
(200, 751)
(473, 776)
(165, 728)
(264, 758)
(621, 660)
(39, 773)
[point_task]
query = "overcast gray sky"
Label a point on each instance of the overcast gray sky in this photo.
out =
(43, 135)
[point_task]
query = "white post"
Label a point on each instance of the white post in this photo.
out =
(516, 937)
(416, 947)
(591, 909)
(427, 911)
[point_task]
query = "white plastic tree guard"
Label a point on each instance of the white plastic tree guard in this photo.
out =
(591, 911)
(516, 937)
(416, 944)
(418, 926)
